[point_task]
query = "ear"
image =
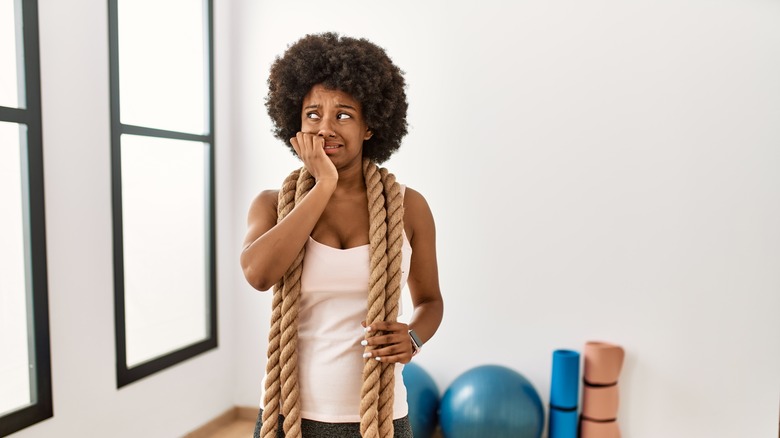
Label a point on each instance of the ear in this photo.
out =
(368, 135)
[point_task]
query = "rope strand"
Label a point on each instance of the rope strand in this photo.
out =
(394, 207)
(272, 399)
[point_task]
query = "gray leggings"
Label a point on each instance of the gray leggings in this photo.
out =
(317, 429)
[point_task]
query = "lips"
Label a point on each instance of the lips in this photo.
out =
(331, 148)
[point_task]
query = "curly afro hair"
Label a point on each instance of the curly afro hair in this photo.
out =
(355, 66)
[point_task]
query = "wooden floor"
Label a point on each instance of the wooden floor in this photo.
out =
(237, 422)
(237, 429)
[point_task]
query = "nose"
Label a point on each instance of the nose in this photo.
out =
(326, 132)
(326, 128)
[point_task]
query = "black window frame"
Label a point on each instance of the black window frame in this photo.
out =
(33, 199)
(125, 374)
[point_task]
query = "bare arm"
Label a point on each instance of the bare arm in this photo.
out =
(270, 248)
(423, 278)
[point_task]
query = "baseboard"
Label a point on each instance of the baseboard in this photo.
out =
(229, 416)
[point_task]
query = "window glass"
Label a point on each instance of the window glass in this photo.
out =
(162, 64)
(164, 223)
(15, 364)
(10, 53)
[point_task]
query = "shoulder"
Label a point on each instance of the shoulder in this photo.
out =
(264, 202)
(417, 213)
(414, 200)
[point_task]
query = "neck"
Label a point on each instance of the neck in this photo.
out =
(351, 179)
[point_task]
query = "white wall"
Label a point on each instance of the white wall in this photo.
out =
(76, 136)
(598, 170)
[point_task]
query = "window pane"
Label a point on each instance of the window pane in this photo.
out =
(10, 53)
(162, 65)
(165, 252)
(15, 365)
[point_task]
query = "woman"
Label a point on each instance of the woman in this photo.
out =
(339, 241)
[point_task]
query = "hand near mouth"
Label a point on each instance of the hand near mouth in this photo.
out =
(312, 150)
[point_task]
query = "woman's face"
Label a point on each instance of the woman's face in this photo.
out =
(338, 118)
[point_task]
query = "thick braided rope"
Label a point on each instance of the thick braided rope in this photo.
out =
(378, 379)
(385, 225)
(394, 207)
(377, 240)
(288, 343)
(272, 399)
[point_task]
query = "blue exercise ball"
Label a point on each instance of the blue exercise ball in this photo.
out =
(422, 396)
(491, 401)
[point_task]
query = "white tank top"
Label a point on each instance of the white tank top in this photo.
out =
(334, 296)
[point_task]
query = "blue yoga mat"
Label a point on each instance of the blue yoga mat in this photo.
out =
(564, 394)
(564, 388)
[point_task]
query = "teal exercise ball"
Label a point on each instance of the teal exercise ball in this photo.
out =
(422, 396)
(491, 401)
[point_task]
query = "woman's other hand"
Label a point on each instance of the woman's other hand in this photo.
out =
(388, 342)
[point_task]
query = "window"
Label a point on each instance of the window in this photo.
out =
(161, 55)
(25, 366)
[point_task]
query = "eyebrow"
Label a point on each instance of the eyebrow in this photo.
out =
(339, 105)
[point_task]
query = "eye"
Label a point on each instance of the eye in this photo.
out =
(342, 116)
(313, 116)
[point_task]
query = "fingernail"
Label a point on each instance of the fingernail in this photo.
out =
(367, 329)
(364, 342)
(378, 358)
(366, 354)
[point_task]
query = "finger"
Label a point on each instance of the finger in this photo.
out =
(304, 142)
(294, 143)
(395, 358)
(387, 351)
(391, 350)
(385, 339)
(319, 142)
(387, 326)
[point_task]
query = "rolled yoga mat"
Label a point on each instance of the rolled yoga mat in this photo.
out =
(602, 364)
(564, 394)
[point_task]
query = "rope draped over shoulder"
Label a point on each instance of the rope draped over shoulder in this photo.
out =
(282, 396)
